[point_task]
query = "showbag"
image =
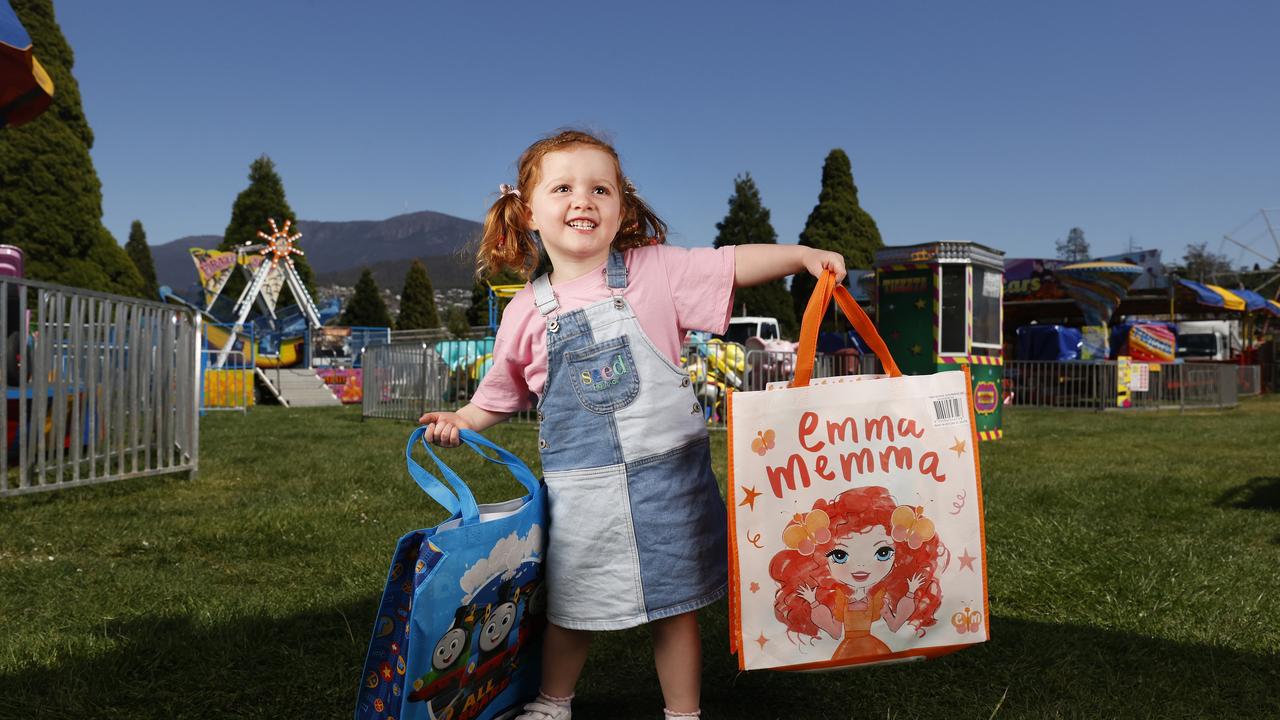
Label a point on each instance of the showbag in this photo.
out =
(856, 531)
(458, 631)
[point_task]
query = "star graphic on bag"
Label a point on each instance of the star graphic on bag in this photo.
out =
(750, 499)
(920, 304)
(958, 447)
(916, 349)
(762, 640)
(966, 560)
(755, 587)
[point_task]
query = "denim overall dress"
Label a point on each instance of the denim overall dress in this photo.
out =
(638, 528)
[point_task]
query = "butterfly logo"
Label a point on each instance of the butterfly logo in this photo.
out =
(807, 532)
(911, 526)
(763, 442)
(967, 621)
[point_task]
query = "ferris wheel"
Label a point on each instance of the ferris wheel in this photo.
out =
(1256, 241)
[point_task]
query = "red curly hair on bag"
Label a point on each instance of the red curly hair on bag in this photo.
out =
(508, 243)
(855, 511)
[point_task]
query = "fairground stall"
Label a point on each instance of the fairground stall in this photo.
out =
(938, 306)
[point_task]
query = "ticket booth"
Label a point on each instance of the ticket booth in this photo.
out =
(938, 308)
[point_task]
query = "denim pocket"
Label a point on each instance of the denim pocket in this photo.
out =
(604, 375)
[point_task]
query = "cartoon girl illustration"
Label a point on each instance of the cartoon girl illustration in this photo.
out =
(852, 561)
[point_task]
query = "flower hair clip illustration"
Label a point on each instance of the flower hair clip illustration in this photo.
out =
(909, 525)
(807, 532)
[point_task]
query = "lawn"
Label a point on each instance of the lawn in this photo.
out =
(1134, 568)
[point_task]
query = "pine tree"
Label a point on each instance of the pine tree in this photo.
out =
(1075, 248)
(140, 253)
(417, 300)
(747, 222)
(366, 308)
(50, 196)
(837, 223)
(263, 200)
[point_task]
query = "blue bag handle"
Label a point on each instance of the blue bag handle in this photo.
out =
(464, 502)
(517, 466)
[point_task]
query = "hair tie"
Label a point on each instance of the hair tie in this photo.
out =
(627, 186)
(506, 190)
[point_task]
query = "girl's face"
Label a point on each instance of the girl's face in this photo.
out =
(863, 559)
(577, 205)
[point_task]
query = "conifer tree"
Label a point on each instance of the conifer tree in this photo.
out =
(837, 223)
(366, 308)
(417, 300)
(140, 253)
(263, 200)
(50, 195)
(747, 222)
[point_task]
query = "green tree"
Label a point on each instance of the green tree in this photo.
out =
(1203, 265)
(1075, 248)
(417, 300)
(50, 195)
(837, 223)
(366, 308)
(747, 222)
(259, 203)
(140, 253)
(458, 325)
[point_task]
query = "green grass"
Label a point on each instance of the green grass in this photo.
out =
(1133, 567)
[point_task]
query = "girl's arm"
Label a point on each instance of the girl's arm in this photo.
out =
(756, 264)
(445, 425)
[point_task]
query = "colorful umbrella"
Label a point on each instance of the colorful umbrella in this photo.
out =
(25, 88)
(1097, 287)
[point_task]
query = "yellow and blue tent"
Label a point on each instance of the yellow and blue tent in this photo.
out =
(1213, 296)
(25, 88)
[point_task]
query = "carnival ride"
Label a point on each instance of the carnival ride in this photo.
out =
(277, 337)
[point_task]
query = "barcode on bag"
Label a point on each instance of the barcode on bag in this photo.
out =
(949, 410)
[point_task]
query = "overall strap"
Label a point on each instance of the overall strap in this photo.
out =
(616, 271)
(543, 296)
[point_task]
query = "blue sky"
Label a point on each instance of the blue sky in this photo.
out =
(1005, 123)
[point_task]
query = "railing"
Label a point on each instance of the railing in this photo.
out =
(1249, 380)
(1094, 386)
(229, 387)
(97, 387)
(402, 381)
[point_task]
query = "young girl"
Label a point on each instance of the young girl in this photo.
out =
(855, 560)
(638, 528)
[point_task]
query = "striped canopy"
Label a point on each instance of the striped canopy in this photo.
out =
(25, 88)
(1097, 287)
(1213, 296)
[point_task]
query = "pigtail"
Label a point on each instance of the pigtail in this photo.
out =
(640, 224)
(507, 242)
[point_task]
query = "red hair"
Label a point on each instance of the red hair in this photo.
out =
(508, 243)
(855, 511)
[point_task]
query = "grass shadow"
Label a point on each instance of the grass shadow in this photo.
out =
(309, 665)
(1260, 493)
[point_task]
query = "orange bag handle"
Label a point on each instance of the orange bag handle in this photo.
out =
(819, 301)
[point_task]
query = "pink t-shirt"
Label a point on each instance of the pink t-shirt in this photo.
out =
(671, 289)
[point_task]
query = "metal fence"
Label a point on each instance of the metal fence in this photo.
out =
(1249, 380)
(229, 387)
(97, 387)
(1093, 385)
(402, 381)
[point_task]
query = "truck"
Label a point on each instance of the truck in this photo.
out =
(749, 326)
(1208, 339)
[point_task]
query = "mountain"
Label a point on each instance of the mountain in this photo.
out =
(337, 251)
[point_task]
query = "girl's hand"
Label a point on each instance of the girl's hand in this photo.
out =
(810, 594)
(816, 261)
(914, 583)
(443, 427)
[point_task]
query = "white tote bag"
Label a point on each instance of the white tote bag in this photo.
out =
(856, 532)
